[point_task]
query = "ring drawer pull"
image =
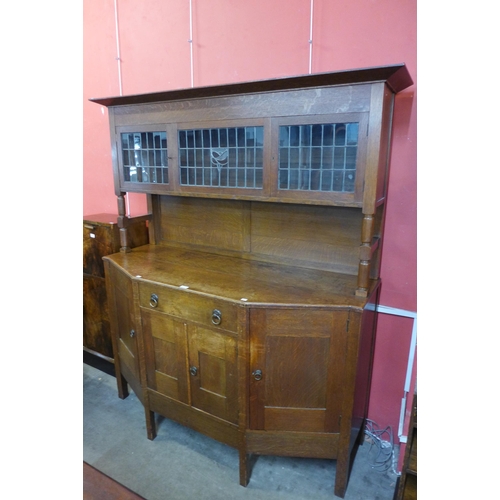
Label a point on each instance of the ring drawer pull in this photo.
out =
(132, 333)
(216, 317)
(193, 371)
(153, 300)
(257, 374)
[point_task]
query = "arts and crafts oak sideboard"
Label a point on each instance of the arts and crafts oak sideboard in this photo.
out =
(251, 314)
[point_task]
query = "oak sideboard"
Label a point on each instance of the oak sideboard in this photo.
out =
(251, 314)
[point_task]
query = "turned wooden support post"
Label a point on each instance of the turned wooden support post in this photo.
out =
(122, 224)
(365, 253)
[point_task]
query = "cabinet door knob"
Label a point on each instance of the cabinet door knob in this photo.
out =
(216, 317)
(153, 300)
(193, 371)
(257, 374)
(132, 333)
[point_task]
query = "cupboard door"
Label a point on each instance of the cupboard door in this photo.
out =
(124, 333)
(212, 368)
(126, 339)
(296, 369)
(165, 339)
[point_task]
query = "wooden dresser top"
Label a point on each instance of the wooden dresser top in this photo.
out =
(235, 279)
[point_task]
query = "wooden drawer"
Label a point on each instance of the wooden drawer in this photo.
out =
(189, 306)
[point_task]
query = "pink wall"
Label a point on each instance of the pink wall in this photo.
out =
(237, 41)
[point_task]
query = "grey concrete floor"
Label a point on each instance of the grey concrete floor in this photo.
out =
(181, 464)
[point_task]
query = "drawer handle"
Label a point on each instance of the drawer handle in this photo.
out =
(216, 317)
(257, 374)
(153, 300)
(132, 333)
(193, 371)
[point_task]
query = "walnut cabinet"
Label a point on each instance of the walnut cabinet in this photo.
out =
(101, 236)
(251, 314)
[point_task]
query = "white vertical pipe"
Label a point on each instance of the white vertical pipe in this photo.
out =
(118, 56)
(191, 39)
(411, 357)
(311, 37)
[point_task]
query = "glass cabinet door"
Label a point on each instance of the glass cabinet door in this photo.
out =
(319, 157)
(228, 157)
(144, 157)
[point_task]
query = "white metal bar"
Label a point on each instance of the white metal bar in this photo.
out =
(311, 37)
(402, 419)
(118, 56)
(396, 312)
(411, 357)
(191, 39)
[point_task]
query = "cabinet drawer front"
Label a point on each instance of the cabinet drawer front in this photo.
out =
(189, 306)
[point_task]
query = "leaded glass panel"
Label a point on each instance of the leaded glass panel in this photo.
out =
(221, 157)
(144, 156)
(318, 157)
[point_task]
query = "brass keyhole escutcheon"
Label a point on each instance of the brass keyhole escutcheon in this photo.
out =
(153, 300)
(257, 374)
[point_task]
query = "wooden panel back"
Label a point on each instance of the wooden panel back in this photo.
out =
(202, 222)
(310, 236)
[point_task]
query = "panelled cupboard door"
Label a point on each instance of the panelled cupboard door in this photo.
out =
(165, 340)
(126, 329)
(296, 366)
(192, 364)
(212, 369)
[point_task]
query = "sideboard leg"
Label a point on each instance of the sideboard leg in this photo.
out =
(341, 475)
(122, 385)
(150, 424)
(244, 468)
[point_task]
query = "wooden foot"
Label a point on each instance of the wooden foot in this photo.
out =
(150, 424)
(244, 468)
(340, 485)
(122, 386)
(341, 475)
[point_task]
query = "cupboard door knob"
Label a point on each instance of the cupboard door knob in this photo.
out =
(132, 333)
(257, 374)
(193, 371)
(216, 317)
(153, 300)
